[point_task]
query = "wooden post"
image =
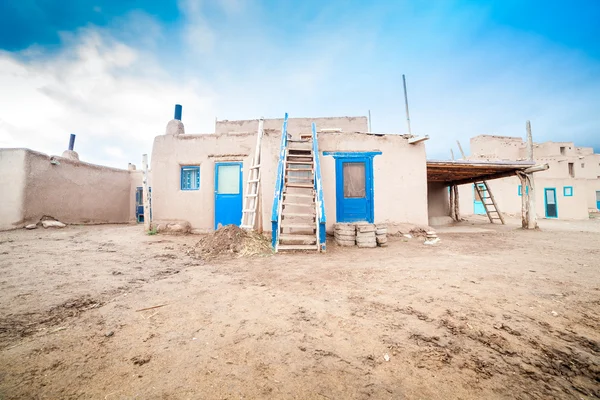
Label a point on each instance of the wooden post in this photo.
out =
(530, 188)
(146, 194)
(452, 154)
(531, 215)
(524, 201)
(406, 104)
(456, 203)
(461, 150)
(370, 122)
(452, 209)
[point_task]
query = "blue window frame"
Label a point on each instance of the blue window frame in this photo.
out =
(568, 191)
(190, 178)
(521, 190)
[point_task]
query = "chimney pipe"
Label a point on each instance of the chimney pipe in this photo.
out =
(72, 142)
(178, 112)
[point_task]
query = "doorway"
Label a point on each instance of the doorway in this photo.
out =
(550, 203)
(228, 194)
(354, 189)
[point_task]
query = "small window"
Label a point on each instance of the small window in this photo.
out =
(572, 170)
(190, 178)
(521, 190)
(582, 165)
(562, 151)
(568, 191)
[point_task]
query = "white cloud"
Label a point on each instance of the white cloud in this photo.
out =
(109, 94)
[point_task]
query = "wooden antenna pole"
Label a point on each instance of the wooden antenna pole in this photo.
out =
(406, 104)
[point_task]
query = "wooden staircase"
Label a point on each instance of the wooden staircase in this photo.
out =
(487, 199)
(298, 227)
(298, 218)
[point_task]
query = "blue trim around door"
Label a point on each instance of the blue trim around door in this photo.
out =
(354, 209)
(228, 206)
(546, 190)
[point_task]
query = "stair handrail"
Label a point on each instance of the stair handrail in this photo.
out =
(277, 196)
(320, 204)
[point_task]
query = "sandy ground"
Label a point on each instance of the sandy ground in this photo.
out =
(490, 312)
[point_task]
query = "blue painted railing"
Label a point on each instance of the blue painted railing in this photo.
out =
(319, 190)
(277, 197)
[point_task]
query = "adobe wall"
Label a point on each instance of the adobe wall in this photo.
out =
(506, 194)
(438, 203)
(12, 182)
(170, 152)
(399, 175)
(74, 192)
(295, 125)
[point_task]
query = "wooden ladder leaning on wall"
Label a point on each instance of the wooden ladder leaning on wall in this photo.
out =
(250, 208)
(491, 208)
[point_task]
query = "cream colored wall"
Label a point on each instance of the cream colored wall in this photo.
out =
(12, 182)
(171, 152)
(506, 194)
(399, 176)
(438, 203)
(295, 125)
(400, 182)
(74, 192)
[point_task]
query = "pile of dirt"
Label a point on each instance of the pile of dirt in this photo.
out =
(233, 240)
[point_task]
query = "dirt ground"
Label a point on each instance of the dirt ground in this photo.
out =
(490, 312)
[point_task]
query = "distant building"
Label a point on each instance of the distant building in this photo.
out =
(569, 189)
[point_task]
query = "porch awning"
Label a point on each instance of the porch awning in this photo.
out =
(468, 171)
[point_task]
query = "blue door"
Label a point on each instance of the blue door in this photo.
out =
(550, 203)
(354, 189)
(598, 199)
(478, 207)
(228, 194)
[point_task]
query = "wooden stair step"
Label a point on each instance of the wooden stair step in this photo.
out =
(296, 225)
(306, 196)
(297, 214)
(297, 237)
(286, 203)
(298, 247)
(299, 169)
(299, 162)
(300, 185)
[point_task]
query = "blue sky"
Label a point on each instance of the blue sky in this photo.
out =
(111, 71)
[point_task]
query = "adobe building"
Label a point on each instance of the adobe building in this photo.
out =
(200, 178)
(568, 189)
(35, 185)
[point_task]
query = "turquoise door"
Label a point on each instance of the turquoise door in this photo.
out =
(598, 199)
(550, 203)
(354, 189)
(228, 194)
(478, 207)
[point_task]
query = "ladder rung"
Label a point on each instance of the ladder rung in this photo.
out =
(299, 162)
(299, 169)
(249, 210)
(300, 185)
(252, 195)
(296, 214)
(253, 180)
(255, 166)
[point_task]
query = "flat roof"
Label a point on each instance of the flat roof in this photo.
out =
(458, 172)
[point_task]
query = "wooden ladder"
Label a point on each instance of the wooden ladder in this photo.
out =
(250, 208)
(491, 208)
